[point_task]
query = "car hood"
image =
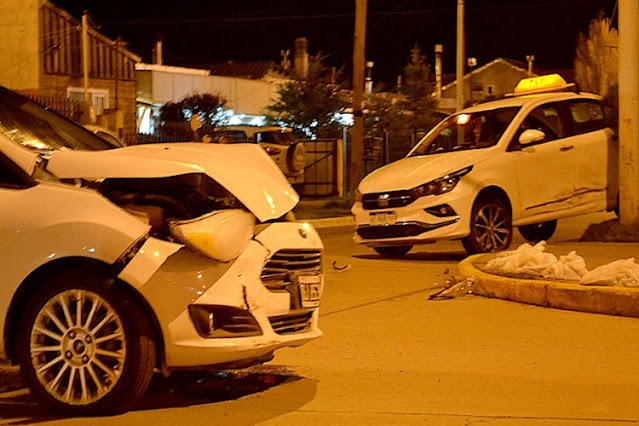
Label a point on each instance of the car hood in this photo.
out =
(245, 170)
(410, 172)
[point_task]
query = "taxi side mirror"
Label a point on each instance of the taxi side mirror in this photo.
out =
(531, 136)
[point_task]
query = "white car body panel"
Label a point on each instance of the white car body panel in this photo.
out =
(187, 278)
(37, 231)
(265, 191)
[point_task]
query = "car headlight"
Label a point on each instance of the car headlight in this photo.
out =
(442, 185)
(221, 235)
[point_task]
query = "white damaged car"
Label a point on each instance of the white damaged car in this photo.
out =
(524, 161)
(119, 262)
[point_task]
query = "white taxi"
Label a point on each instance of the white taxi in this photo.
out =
(524, 161)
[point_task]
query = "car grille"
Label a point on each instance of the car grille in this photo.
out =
(290, 324)
(400, 230)
(383, 200)
(280, 269)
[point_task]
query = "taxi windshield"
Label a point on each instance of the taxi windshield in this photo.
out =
(463, 131)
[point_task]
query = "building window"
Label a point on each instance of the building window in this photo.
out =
(98, 97)
(490, 90)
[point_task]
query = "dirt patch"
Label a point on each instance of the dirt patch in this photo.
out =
(611, 231)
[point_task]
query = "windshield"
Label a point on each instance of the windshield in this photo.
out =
(36, 128)
(280, 138)
(466, 131)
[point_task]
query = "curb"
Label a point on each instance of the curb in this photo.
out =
(621, 301)
(330, 222)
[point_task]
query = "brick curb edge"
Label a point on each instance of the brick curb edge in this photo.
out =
(621, 301)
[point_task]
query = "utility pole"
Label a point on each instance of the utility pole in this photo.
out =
(461, 54)
(629, 113)
(357, 133)
(85, 54)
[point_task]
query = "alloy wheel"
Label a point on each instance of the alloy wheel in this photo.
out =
(77, 347)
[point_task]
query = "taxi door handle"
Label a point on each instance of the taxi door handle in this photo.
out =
(566, 148)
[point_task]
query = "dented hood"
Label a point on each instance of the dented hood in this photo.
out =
(410, 172)
(245, 170)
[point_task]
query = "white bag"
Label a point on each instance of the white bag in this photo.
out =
(624, 273)
(569, 267)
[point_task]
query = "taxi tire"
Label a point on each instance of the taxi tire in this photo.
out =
(503, 217)
(537, 232)
(296, 157)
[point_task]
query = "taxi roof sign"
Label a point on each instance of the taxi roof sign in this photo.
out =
(541, 84)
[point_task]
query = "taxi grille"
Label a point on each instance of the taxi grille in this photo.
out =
(383, 200)
(290, 324)
(279, 270)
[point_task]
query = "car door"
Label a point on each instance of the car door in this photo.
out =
(544, 170)
(595, 175)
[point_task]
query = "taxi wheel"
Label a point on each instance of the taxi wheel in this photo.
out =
(392, 251)
(490, 226)
(538, 231)
(85, 347)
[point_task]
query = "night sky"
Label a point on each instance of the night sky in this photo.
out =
(197, 32)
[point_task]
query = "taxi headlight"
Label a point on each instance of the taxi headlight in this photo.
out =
(221, 235)
(441, 185)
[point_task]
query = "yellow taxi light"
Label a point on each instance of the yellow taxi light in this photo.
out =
(544, 83)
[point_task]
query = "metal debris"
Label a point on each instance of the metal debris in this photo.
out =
(454, 289)
(339, 268)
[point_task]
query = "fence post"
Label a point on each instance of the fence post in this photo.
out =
(340, 166)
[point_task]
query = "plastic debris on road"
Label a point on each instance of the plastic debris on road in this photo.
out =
(623, 273)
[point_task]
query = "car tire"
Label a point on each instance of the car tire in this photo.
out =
(490, 226)
(392, 251)
(296, 157)
(538, 231)
(85, 346)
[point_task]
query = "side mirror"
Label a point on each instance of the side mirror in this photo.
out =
(531, 136)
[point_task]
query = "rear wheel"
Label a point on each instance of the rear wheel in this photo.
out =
(538, 231)
(490, 226)
(392, 251)
(84, 347)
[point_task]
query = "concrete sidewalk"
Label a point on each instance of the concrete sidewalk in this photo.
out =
(558, 294)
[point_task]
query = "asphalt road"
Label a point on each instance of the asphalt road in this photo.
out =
(391, 356)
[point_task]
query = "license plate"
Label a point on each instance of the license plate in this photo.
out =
(383, 218)
(310, 290)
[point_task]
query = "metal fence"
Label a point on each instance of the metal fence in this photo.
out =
(324, 171)
(65, 106)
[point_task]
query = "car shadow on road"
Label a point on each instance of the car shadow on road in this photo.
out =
(181, 389)
(421, 256)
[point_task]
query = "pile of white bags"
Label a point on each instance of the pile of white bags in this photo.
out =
(533, 261)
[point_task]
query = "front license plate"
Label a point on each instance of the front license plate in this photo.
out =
(383, 218)
(310, 290)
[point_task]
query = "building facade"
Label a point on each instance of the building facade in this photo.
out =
(47, 53)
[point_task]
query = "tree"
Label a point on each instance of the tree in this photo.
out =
(418, 92)
(210, 108)
(597, 57)
(310, 104)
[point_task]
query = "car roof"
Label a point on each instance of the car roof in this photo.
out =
(519, 101)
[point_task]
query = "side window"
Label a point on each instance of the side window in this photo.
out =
(586, 116)
(12, 176)
(544, 118)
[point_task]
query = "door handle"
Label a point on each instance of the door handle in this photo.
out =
(566, 148)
